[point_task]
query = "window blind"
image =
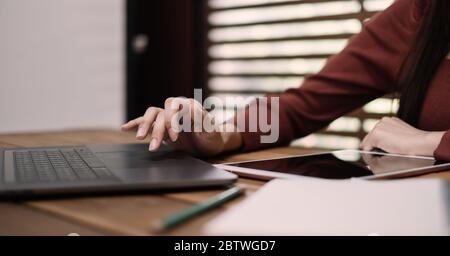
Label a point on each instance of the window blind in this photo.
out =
(267, 46)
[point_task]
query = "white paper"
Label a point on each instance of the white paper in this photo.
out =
(351, 207)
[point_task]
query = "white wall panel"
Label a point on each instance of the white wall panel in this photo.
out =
(61, 64)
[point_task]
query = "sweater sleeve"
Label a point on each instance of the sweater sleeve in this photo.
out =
(366, 69)
(442, 152)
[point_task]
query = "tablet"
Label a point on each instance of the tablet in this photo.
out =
(342, 164)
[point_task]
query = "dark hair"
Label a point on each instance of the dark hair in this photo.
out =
(430, 48)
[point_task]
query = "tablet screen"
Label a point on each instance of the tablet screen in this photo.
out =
(339, 164)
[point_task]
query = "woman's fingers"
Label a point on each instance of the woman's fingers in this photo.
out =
(132, 124)
(178, 108)
(147, 122)
(158, 132)
(197, 114)
(172, 106)
(143, 123)
(375, 139)
(164, 124)
(366, 144)
(370, 142)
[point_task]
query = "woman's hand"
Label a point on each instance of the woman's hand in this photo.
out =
(157, 124)
(395, 136)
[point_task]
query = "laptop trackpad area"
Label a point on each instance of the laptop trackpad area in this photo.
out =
(155, 166)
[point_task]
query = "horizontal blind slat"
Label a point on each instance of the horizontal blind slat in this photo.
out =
(285, 12)
(242, 4)
(359, 15)
(279, 57)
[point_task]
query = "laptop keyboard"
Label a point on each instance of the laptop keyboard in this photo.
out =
(66, 164)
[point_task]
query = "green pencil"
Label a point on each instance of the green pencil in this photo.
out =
(184, 215)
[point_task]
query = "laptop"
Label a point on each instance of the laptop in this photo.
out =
(61, 171)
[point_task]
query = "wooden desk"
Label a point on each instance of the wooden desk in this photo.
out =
(118, 215)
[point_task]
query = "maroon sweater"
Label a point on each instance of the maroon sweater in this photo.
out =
(366, 69)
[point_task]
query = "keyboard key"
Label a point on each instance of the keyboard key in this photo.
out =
(67, 164)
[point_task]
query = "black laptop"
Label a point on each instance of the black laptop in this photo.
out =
(59, 171)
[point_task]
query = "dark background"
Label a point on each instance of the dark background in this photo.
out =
(173, 63)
